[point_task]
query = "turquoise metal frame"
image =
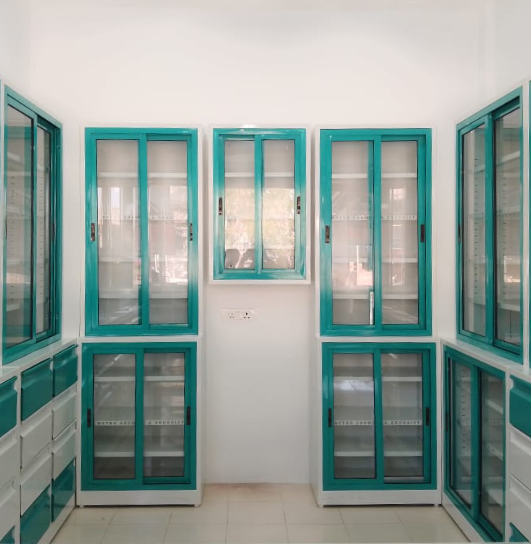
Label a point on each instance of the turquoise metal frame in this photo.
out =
(472, 513)
(188, 481)
(376, 137)
(487, 116)
(40, 119)
(259, 135)
(142, 136)
(429, 399)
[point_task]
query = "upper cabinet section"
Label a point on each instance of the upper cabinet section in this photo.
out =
(489, 249)
(142, 231)
(374, 232)
(259, 204)
(32, 249)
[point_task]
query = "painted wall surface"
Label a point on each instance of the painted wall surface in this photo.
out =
(365, 63)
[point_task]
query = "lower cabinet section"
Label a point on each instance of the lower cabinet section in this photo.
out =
(37, 519)
(9, 508)
(63, 489)
(9, 537)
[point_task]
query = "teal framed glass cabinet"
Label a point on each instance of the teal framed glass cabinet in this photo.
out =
(378, 429)
(141, 231)
(139, 416)
(475, 442)
(259, 196)
(489, 227)
(32, 249)
(375, 232)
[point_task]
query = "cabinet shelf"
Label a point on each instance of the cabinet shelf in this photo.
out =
(342, 294)
(363, 417)
(265, 175)
(175, 292)
(110, 379)
(358, 175)
(394, 447)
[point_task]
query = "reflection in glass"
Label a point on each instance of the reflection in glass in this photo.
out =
(164, 415)
(168, 231)
(18, 301)
(239, 204)
(354, 438)
(399, 233)
(278, 204)
(352, 252)
(403, 417)
(507, 134)
(114, 417)
(473, 236)
(119, 270)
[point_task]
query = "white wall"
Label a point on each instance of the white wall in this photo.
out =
(204, 62)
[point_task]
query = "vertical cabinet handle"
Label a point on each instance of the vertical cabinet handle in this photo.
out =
(447, 422)
(298, 205)
(428, 417)
(371, 307)
(188, 415)
(327, 234)
(89, 418)
(422, 233)
(93, 232)
(191, 232)
(330, 417)
(220, 206)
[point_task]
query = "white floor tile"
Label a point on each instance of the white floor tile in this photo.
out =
(196, 534)
(444, 532)
(208, 512)
(305, 513)
(216, 493)
(149, 515)
(91, 515)
(418, 515)
(317, 533)
(256, 512)
(368, 514)
(373, 532)
(257, 534)
(135, 534)
(80, 534)
(255, 493)
(297, 493)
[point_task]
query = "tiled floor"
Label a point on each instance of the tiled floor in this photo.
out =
(255, 515)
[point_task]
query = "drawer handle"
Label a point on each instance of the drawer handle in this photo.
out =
(89, 418)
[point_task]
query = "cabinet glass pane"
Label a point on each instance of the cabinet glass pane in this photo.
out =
(492, 446)
(164, 417)
(44, 164)
(118, 240)
(461, 431)
(400, 278)
(114, 416)
(473, 235)
(402, 417)
(508, 226)
(168, 231)
(354, 442)
(351, 232)
(19, 246)
(239, 204)
(278, 204)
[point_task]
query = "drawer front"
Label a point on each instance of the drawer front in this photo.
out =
(520, 457)
(520, 406)
(63, 489)
(8, 508)
(64, 411)
(36, 520)
(9, 538)
(35, 435)
(35, 480)
(63, 451)
(9, 459)
(37, 388)
(516, 535)
(520, 506)
(64, 370)
(8, 406)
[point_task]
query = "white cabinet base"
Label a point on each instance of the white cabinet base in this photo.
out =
(460, 520)
(361, 497)
(58, 523)
(138, 498)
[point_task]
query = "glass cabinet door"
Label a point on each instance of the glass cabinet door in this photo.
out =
(164, 415)
(114, 416)
(353, 416)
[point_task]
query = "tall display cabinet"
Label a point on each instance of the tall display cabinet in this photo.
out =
(141, 400)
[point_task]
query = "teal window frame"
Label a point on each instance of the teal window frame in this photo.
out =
(429, 399)
(142, 136)
(43, 120)
(487, 116)
(423, 137)
(258, 135)
(188, 480)
(472, 513)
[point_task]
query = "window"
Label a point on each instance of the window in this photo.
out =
(32, 250)
(490, 226)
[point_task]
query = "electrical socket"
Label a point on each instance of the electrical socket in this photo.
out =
(239, 314)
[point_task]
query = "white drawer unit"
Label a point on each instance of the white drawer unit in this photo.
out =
(520, 506)
(8, 508)
(35, 434)
(9, 458)
(35, 479)
(64, 411)
(63, 450)
(520, 457)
